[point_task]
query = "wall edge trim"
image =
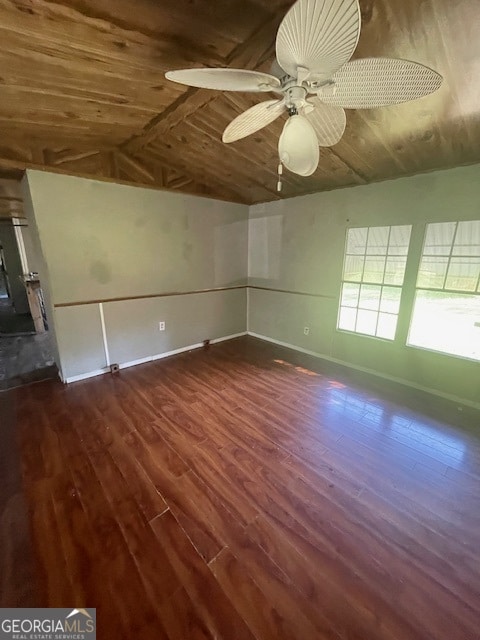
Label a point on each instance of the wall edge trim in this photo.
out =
(291, 291)
(167, 294)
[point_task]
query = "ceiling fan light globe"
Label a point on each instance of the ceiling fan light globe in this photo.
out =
(298, 146)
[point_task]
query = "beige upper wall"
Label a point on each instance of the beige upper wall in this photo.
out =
(300, 241)
(105, 240)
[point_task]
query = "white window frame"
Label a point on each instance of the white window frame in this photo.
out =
(443, 289)
(381, 285)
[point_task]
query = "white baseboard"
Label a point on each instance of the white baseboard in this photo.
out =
(407, 383)
(84, 376)
(158, 356)
(230, 337)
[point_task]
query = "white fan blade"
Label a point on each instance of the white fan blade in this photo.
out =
(225, 79)
(328, 121)
(377, 82)
(318, 35)
(253, 119)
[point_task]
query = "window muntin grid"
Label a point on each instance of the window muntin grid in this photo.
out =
(373, 274)
(446, 309)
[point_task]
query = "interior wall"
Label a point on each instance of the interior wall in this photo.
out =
(120, 259)
(297, 246)
(101, 245)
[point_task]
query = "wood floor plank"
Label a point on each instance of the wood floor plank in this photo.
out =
(150, 501)
(262, 615)
(214, 607)
(83, 560)
(159, 579)
(341, 524)
(242, 492)
(340, 594)
(157, 454)
(215, 472)
(308, 621)
(116, 565)
(181, 619)
(178, 492)
(54, 576)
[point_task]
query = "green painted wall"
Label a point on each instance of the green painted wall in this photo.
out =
(298, 245)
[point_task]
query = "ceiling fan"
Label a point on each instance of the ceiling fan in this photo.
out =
(315, 81)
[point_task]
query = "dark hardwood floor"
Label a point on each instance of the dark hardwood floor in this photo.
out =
(18, 586)
(231, 493)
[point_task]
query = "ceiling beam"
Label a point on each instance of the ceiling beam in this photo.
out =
(178, 183)
(203, 174)
(132, 167)
(252, 53)
(56, 158)
(14, 170)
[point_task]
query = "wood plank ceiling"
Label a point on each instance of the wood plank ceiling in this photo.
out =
(82, 90)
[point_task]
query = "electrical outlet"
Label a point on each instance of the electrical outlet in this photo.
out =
(161, 326)
(306, 330)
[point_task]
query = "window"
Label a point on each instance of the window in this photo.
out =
(373, 272)
(446, 312)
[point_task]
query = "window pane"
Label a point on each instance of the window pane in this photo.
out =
(350, 295)
(374, 268)
(353, 268)
(377, 242)
(439, 238)
(366, 322)
(390, 299)
(399, 240)
(446, 322)
(375, 256)
(357, 240)
(370, 297)
(432, 272)
(387, 325)
(467, 239)
(347, 318)
(395, 270)
(463, 274)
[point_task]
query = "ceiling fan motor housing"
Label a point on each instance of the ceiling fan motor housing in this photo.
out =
(295, 98)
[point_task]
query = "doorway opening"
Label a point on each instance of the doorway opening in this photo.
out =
(26, 353)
